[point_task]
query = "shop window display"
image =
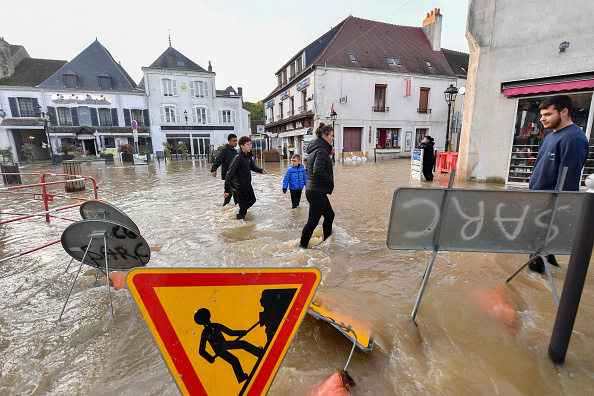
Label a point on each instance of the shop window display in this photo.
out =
(529, 132)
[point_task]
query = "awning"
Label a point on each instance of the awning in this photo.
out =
(555, 87)
(296, 132)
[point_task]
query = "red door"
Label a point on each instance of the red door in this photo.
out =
(352, 139)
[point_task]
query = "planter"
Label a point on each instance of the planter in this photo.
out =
(10, 179)
(127, 157)
(67, 157)
(56, 160)
(107, 159)
(271, 157)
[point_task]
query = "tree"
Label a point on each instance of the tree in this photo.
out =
(256, 110)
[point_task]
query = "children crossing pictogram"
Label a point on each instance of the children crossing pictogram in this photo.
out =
(223, 331)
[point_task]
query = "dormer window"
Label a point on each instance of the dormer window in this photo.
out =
(181, 63)
(428, 64)
(70, 81)
(352, 57)
(394, 61)
(104, 82)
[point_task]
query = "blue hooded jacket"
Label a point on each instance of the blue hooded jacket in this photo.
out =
(295, 178)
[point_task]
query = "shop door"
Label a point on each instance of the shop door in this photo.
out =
(352, 139)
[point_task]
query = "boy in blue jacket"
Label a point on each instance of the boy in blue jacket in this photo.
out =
(295, 179)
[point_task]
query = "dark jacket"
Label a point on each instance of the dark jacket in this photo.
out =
(224, 158)
(239, 175)
(320, 173)
(428, 156)
(295, 178)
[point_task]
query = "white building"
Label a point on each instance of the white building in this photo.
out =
(515, 62)
(187, 108)
(386, 88)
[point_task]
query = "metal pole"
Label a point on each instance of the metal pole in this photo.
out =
(447, 142)
(577, 269)
(333, 140)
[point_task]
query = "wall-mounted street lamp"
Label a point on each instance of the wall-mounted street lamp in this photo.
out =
(450, 97)
(333, 118)
(186, 116)
(563, 46)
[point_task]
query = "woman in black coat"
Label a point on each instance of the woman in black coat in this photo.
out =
(320, 183)
(428, 157)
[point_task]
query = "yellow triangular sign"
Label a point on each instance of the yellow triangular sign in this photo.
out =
(223, 331)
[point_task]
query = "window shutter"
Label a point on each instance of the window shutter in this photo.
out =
(220, 116)
(424, 98)
(35, 103)
(114, 117)
(234, 117)
(162, 114)
(163, 84)
(74, 113)
(127, 120)
(194, 116)
(192, 89)
(177, 115)
(174, 85)
(208, 121)
(147, 119)
(14, 108)
(94, 117)
(52, 115)
(205, 89)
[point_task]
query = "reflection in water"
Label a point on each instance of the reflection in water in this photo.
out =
(458, 348)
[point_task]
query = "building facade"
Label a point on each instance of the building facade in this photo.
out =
(516, 62)
(383, 91)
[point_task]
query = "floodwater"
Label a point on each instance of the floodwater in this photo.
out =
(456, 349)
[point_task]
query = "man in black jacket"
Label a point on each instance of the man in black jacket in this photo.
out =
(239, 177)
(224, 158)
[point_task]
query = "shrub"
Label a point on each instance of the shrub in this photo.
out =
(125, 148)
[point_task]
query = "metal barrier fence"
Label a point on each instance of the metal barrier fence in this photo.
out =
(446, 161)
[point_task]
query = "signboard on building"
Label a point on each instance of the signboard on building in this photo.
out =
(285, 95)
(408, 86)
(408, 141)
(269, 103)
(302, 84)
(416, 164)
(343, 99)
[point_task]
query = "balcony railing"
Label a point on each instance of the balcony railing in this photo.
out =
(290, 113)
(424, 111)
(379, 108)
(278, 117)
(302, 109)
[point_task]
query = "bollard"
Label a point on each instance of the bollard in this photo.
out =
(577, 269)
(73, 168)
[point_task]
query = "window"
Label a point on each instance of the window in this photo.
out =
(137, 115)
(424, 101)
(285, 76)
(105, 117)
(198, 89)
(280, 80)
(352, 57)
(271, 113)
(64, 116)
(428, 64)
(292, 111)
(299, 65)
(169, 115)
(169, 87)
(303, 101)
(379, 101)
(388, 138)
(181, 63)
(70, 80)
(104, 82)
(394, 61)
(292, 70)
(26, 107)
(227, 116)
(201, 115)
(420, 135)
(280, 106)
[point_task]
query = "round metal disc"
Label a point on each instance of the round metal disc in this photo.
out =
(126, 249)
(96, 209)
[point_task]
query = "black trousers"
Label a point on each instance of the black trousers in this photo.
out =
(245, 199)
(319, 206)
(295, 197)
(428, 172)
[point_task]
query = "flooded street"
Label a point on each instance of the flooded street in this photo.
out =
(457, 348)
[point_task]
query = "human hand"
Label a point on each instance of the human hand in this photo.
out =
(333, 150)
(214, 174)
(225, 195)
(264, 171)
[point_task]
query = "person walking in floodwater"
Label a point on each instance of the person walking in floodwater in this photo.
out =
(295, 179)
(213, 334)
(428, 157)
(320, 183)
(226, 155)
(239, 177)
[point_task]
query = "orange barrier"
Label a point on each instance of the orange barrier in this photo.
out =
(446, 161)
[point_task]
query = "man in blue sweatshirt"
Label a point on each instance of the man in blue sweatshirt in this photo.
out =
(567, 146)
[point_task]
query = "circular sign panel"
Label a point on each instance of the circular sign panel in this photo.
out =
(96, 209)
(125, 248)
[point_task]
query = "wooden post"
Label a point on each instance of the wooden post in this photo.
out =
(73, 168)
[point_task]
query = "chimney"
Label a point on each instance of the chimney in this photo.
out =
(6, 64)
(432, 29)
(240, 91)
(209, 66)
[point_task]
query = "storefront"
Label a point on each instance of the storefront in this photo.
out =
(528, 132)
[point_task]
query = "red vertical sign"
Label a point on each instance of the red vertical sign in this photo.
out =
(408, 86)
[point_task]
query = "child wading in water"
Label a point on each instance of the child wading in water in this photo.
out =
(295, 179)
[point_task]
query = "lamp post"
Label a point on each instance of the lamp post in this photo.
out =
(333, 118)
(44, 116)
(450, 97)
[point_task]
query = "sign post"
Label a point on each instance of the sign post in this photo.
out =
(416, 164)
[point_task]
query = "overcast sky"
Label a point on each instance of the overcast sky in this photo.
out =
(246, 41)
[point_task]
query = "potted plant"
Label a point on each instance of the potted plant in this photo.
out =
(147, 153)
(9, 167)
(285, 152)
(108, 157)
(27, 150)
(183, 149)
(167, 149)
(67, 151)
(56, 159)
(6, 153)
(271, 155)
(127, 150)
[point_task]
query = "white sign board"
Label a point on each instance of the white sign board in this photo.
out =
(416, 164)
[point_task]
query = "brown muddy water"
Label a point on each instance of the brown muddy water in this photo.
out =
(457, 348)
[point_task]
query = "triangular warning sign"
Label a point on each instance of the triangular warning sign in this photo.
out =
(223, 331)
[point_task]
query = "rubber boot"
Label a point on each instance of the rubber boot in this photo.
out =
(240, 217)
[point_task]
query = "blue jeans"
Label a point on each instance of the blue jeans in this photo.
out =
(319, 206)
